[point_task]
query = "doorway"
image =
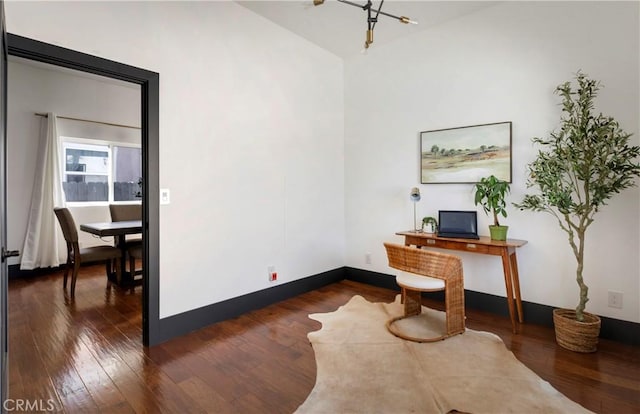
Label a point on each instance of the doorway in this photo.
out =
(22, 47)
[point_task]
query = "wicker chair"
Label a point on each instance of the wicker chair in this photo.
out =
(126, 212)
(427, 271)
(77, 255)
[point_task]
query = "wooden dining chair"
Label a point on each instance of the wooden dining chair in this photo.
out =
(127, 212)
(76, 255)
(421, 270)
(135, 254)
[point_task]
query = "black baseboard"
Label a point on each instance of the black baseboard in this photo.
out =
(195, 319)
(15, 272)
(371, 278)
(614, 329)
(177, 325)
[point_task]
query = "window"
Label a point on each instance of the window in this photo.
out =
(100, 171)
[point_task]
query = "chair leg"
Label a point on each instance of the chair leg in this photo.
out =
(454, 307)
(107, 264)
(118, 274)
(132, 265)
(66, 273)
(74, 276)
(113, 266)
(412, 302)
(413, 307)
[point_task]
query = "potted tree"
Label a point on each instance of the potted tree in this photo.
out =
(578, 168)
(490, 193)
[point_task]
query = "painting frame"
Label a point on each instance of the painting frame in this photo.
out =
(463, 155)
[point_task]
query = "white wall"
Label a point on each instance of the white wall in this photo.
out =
(262, 113)
(33, 89)
(500, 64)
(251, 138)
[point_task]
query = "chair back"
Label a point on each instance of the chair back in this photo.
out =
(423, 262)
(67, 224)
(125, 212)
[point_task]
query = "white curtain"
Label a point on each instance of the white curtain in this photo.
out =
(43, 244)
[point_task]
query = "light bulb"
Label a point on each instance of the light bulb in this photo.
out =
(406, 20)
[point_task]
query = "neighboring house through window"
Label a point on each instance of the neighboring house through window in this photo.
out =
(99, 171)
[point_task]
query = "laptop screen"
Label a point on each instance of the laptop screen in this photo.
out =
(457, 222)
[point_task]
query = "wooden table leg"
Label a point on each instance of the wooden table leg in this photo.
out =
(516, 284)
(126, 278)
(506, 267)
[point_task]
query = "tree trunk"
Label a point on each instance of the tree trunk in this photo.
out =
(584, 290)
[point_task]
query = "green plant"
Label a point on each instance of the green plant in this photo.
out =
(138, 193)
(579, 168)
(430, 220)
(490, 194)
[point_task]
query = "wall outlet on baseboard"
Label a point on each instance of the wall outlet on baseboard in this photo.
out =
(367, 258)
(615, 299)
(273, 275)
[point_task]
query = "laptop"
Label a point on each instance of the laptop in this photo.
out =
(458, 224)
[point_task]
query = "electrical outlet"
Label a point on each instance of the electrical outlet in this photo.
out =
(273, 275)
(367, 258)
(615, 299)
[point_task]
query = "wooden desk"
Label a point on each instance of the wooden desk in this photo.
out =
(505, 249)
(119, 230)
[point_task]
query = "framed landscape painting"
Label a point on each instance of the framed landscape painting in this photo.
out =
(466, 154)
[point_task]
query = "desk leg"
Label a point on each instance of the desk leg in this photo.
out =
(125, 278)
(506, 267)
(516, 284)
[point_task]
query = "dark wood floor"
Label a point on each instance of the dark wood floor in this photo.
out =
(86, 356)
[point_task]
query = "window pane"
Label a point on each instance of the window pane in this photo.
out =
(89, 158)
(86, 187)
(127, 170)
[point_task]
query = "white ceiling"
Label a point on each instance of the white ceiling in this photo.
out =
(340, 28)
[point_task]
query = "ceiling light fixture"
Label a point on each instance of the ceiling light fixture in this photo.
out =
(371, 19)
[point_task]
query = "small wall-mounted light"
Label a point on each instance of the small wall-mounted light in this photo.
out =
(415, 197)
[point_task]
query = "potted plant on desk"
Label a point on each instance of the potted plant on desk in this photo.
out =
(577, 170)
(429, 225)
(490, 193)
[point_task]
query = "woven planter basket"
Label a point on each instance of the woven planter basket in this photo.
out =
(574, 335)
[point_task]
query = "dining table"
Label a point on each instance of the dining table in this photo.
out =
(119, 230)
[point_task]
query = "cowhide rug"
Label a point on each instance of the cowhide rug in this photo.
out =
(362, 368)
